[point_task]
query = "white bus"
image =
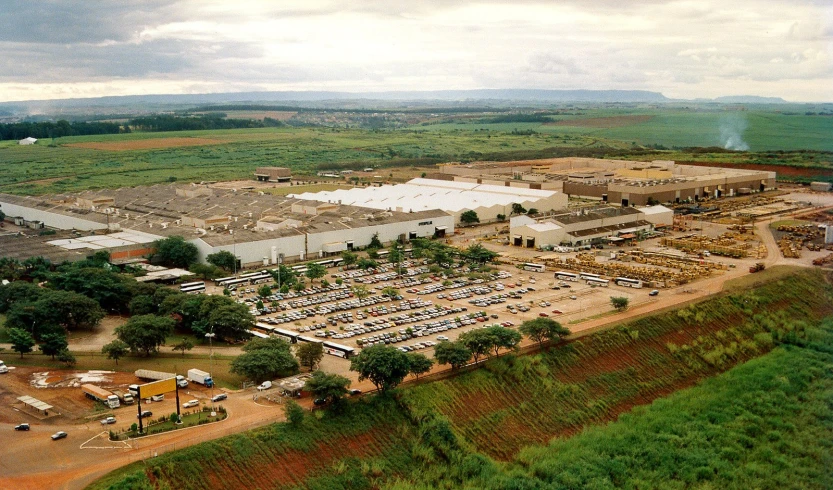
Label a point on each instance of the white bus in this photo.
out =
(566, 276)
(627, 282)
(529, 266)
(338, 350)
(192, 288)
(598, 282)
(587, 275)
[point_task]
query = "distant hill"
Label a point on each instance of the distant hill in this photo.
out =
(749, 99)
(468, 96)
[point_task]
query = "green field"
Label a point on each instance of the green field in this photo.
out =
(52, 166)
(764, 423)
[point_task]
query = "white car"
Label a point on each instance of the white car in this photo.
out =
(108, 420)
(264, 386)
(442, 337)
(190, 403)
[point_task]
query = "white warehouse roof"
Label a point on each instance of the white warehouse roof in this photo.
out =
(424, 194)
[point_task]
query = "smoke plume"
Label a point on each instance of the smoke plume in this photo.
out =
(731, 132)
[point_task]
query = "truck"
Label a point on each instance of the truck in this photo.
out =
(126, 398)
(201, 377)
(153, 375)
(181, 381)
(93, 392)
(757, 267)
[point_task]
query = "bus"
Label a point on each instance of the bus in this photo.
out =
(257, 334)
(287, 335)
(299, 270)
(192, 287)
(336, 262)
(233, 283)
(303, 338)
(529, 266)
(338, 350)
(587, 275)
(598, 282)
(222, 280)
(383, 253)
(566, 276)
(627, 282)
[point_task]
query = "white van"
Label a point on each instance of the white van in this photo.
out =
(157, 398)
(3, 368)
(265, 386)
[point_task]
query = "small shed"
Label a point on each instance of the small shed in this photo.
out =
(27, 141)
(33, 403)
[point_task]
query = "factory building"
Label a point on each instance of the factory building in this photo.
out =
(617, 182)
(258, 228)
(487, 200)
(587, 226)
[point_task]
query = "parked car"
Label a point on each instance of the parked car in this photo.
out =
(108, 420)
(573, 297)
(557, 312)
(354, 392)
(145, 414)
(264, 386)
(221, 396)
(542, 314)
(157, 398)
(190, 403)
(21, 427)
(59, 435)
(442, 337)
(319, 401)
(654, 292)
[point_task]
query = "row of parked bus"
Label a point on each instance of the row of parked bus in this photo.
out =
(264, 276)
(331, 348)
(597, 280)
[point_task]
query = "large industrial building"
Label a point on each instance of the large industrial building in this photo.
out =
(619, 182)
(488, 201)
(587, 226)
(254, 226)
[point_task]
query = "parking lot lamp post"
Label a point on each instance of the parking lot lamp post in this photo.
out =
(210, 335)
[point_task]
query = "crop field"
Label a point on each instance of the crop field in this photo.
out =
(766, 423)
(351, 450)
(516, 402)
(145, 144)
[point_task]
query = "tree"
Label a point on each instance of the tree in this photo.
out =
(361, 291)
(418, 363)
(66, 357)
(454, 353)
(206, 271)
(543, 330)
(283, 275)
(53, 343)
(315, 271)
(384, 366)
(309, 354)
(330, 387)
(501, 217)
(531, 211)
(264, 291)
(183, 346)
(112, 291)
(518, 208)
(396, 256)
(115, 350)
(294, 413)
(349, 258)
(265, 359)
(54, 311)
(374, 241)
(479, 254)
(223, 259)
(364, 263)
(145, 332)
(469, 217)
(503, 338)
(619, 302)
(230, 320)
(18, 291)
(174, 251)
(142, 305)
(479, 342)
(21, 340)
(390, 291)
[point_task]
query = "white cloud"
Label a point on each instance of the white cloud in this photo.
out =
(689, 48)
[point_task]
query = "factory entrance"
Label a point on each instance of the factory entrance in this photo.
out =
(530, 243)
(517, 240)
(625, 203)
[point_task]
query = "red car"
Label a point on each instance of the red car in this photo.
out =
(557, 312)
(542, 314)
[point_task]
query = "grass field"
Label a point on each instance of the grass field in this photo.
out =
(105, 161)
(767, 423)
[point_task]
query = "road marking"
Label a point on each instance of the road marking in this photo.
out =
(110, 444)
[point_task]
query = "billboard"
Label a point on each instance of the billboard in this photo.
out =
(157, 388)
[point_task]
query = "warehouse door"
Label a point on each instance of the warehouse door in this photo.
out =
(530, 243)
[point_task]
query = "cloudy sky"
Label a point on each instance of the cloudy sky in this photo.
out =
(684, 49)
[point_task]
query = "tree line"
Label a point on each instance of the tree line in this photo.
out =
(48, 129)
(195, 123)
